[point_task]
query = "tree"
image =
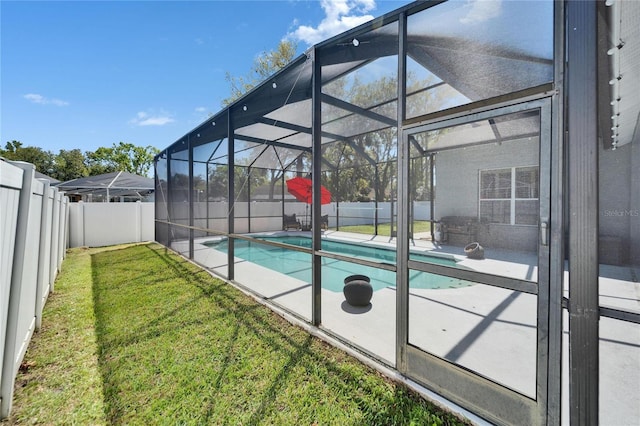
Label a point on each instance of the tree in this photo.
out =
(354, 159)
(246, 179)
(284, 160)
(121, 157)
(69, 165)
(72, 164)
(365, 163)
(99, 162)
(263, 67)
(43, 160)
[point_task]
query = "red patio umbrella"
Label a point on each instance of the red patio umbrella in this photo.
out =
(302, 189)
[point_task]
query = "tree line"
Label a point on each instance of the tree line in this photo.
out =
(73, 164)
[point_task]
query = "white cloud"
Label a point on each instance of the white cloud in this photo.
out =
(145, 119)
(340, 16)
(200, 114)
(39, 99)
(481, 11)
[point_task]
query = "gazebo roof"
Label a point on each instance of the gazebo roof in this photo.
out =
(115, 184)
(49, 178)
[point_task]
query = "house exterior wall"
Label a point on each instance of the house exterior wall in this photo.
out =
(619, 216)
(457, 174)
(457, 193)
(615, 208)
(634, 205)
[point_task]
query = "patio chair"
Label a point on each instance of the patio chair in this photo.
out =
(324, 222)
(289, 221)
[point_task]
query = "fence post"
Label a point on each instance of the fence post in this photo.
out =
(11, 181)
(15, 344)
(138, 221)
(55, 229)
(63, 232)
(44, 253)
(64, 226)
(79, 224)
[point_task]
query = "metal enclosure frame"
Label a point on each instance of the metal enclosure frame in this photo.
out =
(571, 119)
(486, 397)
(582, 174)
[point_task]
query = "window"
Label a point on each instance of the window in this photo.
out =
(510, 196)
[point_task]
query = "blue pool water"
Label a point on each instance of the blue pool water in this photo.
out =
(298, 265)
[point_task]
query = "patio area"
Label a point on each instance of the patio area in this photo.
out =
(488, 330)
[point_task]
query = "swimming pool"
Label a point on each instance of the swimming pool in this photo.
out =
(298, 265)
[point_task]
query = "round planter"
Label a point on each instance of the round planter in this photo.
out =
(357, 278)
(357, 290)
(474, 251)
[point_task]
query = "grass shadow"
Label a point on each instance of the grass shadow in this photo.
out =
(176, 343)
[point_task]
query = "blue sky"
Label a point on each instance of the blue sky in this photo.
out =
(86, 74)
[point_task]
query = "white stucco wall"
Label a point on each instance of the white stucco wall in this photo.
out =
(457, 187)
(457, 172)
(634, 204)
(619, 201)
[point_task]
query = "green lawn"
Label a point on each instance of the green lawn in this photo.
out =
(384, 229)
(138, 335)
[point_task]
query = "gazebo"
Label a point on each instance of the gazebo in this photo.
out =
(109, 187)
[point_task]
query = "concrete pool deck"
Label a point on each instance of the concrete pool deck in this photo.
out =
(486, 329)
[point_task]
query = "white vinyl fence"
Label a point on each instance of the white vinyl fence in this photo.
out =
(33, 230)
(267, 215)
(105, 224)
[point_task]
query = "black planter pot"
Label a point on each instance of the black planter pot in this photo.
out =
(357, 278)
(357, 290)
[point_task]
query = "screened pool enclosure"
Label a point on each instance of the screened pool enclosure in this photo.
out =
(430, 128)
